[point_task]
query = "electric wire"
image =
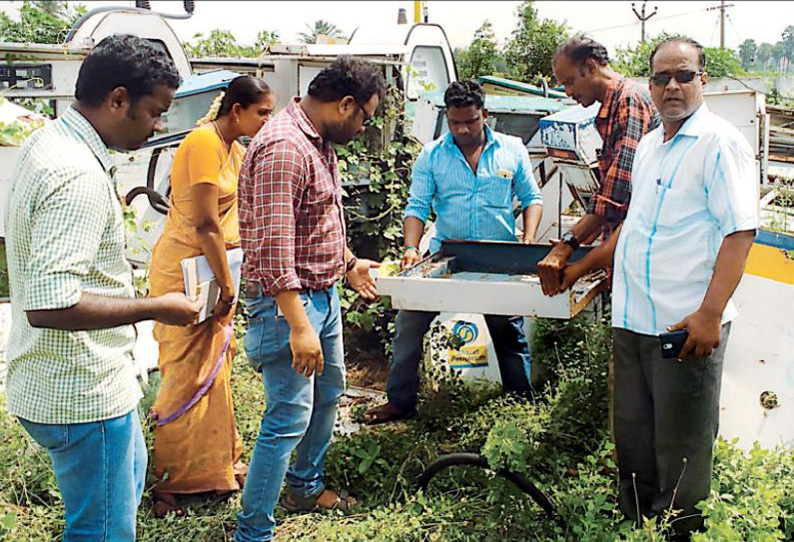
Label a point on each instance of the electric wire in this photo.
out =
(654, 19)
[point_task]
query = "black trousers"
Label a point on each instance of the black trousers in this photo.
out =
(666, 419)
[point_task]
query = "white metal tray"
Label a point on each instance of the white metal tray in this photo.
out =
(486, 278)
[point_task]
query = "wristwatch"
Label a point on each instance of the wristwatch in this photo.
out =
(570, 239)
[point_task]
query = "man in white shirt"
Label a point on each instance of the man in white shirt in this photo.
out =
(678, 258)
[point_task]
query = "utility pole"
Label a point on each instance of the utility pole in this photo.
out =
(642, 17)
(722, 7)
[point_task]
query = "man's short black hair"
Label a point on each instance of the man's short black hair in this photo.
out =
(348, 76)
(464, 94)
(124, 61)
(680, 39)
(581, 47)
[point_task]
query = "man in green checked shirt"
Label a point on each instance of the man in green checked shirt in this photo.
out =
(71, 381)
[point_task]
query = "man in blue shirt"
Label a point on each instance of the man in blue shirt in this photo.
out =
(469, 177)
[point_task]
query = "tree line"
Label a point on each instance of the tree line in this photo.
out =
(525, 55)
(765, 57)
(527, 52)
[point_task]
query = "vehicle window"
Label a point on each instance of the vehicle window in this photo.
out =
(428, 68)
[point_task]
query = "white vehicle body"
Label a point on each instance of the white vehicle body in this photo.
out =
(416, 57)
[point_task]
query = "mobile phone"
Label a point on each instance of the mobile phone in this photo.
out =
(673, 342)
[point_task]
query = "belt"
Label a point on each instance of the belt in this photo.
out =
(252, 289)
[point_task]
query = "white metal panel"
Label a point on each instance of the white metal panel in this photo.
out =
(424, 122)
(145, 25)
(306, 73)
(8, 160)
(334, 49)
(440, 65)
(759, 357)
(740, 109)
(486, 293)
(428, 70)
(573, 129)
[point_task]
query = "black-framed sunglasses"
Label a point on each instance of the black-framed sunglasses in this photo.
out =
(367, 118)
(683, 77)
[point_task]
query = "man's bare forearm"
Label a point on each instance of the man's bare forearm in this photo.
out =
(728, 271)
(599, 257)
(290, 303)
(96, 312)
(587, 228)
(531, 217)
(413, 229)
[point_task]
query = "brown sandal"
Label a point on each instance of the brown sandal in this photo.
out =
(296, 504)
(385, 413)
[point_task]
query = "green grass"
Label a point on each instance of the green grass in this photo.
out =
(559, 442)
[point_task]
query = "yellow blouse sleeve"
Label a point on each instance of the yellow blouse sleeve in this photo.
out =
(204, 156)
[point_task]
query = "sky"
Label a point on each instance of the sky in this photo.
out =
(611, 22)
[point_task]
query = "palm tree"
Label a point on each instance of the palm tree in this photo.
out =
(788, 45)
(321, 27)
(777, 56)
(763, 55)
(747, 52)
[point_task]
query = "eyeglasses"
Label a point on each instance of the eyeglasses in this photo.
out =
(683, 77)
(367, 118)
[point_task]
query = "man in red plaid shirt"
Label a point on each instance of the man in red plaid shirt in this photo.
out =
(293, 234)
(627, 113)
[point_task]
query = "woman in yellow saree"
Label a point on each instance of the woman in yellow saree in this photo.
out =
(196, 445)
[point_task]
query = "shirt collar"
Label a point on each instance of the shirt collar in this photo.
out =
(490, 139)
(86, 131)
(614, 84)
(695, 125)
(294, 110)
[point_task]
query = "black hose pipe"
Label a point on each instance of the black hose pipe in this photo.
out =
(157, 201)
(476, 460)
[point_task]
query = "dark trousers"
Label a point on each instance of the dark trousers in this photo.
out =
(666, 421)
(507, 334)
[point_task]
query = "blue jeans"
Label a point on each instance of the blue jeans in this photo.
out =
(300, 413)
(100, 468)
(507, 334)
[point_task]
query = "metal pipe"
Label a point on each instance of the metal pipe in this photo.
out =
(545, 85)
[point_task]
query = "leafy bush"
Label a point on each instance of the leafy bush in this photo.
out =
(383, 158)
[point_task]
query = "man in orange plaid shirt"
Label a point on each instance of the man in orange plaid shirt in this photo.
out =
(627, 113)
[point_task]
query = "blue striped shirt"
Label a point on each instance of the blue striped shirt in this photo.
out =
(688, 194)
(469, 206)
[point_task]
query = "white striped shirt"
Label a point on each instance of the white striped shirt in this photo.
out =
(689, 193)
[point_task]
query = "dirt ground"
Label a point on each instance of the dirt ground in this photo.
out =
(367, 372)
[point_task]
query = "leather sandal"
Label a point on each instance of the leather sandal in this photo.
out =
(297, 504)
(385, 413)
